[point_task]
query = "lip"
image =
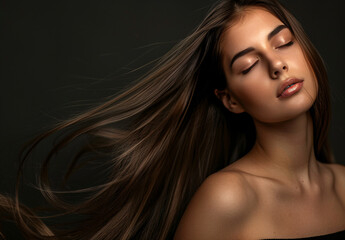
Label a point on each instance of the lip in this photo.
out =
(282, 92)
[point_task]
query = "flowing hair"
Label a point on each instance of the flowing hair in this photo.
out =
(174, 133)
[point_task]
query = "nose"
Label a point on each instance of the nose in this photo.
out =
(277, 67)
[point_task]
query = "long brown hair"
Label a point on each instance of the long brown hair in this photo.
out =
(174, 133)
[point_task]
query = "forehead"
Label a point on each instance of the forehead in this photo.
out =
(251, 27)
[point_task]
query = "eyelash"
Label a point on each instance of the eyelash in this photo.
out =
(248, 69)
(287, 44)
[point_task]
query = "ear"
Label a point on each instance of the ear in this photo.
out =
(229, 101)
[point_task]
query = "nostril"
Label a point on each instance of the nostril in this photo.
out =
(284, 67)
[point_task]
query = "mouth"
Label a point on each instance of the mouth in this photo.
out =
(289, 87)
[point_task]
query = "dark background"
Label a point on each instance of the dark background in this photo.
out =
(57, 58)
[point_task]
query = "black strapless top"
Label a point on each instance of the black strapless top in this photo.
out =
(331, 236)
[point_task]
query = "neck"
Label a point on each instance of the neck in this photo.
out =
(286, 149)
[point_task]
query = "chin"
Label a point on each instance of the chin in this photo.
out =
(285, 109)
(284, 114)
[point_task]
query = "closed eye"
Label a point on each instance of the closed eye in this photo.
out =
(286, 45)
(248, 69)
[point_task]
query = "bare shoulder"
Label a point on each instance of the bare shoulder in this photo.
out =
(219, 208)
(338, 170)
(338, 175)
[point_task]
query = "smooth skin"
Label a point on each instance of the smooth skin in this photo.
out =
(279, 189)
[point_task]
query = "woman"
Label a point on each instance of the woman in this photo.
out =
(199, 110)
(278, 189)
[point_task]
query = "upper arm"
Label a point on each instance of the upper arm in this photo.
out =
(219, 209)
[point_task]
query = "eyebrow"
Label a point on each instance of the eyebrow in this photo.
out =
(275, 31)
(250, 49)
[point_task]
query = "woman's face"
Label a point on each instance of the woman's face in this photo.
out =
(261, 59)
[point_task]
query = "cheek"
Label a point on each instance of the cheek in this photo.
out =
(298, 64)
(311, 87)
(254, 93)
(301, 67)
